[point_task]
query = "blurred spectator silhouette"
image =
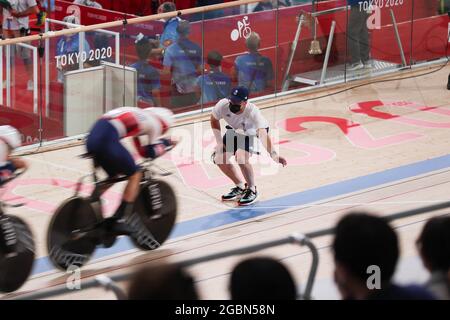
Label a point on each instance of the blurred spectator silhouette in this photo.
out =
(262, 278)
(148, 82)
(170, 34)
(162, 282)
(183, 60)
(434, 247)
(366, 252)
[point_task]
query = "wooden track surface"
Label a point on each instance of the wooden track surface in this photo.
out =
(358, 147)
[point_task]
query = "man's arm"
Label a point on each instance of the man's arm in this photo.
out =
(154, 150)
(267, 143)
(215, 126)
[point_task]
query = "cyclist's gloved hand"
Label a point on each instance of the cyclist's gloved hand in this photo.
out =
(156, 150)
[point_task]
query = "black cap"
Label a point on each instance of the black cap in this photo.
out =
(238, 95)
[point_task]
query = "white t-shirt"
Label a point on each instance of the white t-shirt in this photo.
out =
(132, 122)
(247, 123)
(88, 3)
(13, 23)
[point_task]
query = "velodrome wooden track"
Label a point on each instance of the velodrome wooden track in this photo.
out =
(382, 147)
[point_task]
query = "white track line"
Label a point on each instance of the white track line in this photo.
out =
(343, 204)
(57, 165)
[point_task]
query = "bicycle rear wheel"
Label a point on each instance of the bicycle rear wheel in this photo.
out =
(74, 214)
(156, 208)
(16, 266)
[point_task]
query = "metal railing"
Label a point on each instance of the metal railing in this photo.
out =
(297, 238)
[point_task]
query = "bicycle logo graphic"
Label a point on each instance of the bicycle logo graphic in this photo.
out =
(243, 30)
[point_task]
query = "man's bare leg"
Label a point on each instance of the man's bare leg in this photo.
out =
(242, 158)
(223, 162)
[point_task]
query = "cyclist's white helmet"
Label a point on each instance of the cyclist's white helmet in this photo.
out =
(11, 136)
(165, 117)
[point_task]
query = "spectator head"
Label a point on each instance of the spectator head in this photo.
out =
(162, 282)
(183, 28)
(253, 42)
(214, 59)
(144, 46)
(362, 240)
(262, 279)
(434, 244)
(167, 7)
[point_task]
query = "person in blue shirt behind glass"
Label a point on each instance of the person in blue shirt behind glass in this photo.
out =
(148, 83)
(169, 34)
(215, 84)
(183, 60)
(253, 70)
(69, 46)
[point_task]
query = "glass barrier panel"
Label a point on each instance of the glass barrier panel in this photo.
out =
(431, 30)
(142, 53)
(240, 50)
(83, 78)
(270, 46)
(379, 37)
(20, 104)
(312, 44)
(182, 62)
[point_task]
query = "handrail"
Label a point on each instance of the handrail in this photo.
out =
(292, 239)
(295, 238)
(118, 23)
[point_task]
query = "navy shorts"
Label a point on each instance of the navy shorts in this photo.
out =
(239, 141)
(6, 171)
(103, 143)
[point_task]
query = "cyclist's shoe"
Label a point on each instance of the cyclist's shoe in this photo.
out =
(117, 226)
(234, 194)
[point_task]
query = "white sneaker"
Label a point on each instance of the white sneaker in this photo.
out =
(30, 85)
(355, 66)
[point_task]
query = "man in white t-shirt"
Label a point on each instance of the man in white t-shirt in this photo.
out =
(88, 3)
(16, 24)
(245, 124)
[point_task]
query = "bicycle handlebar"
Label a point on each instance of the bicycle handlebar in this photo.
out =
(13, 177)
